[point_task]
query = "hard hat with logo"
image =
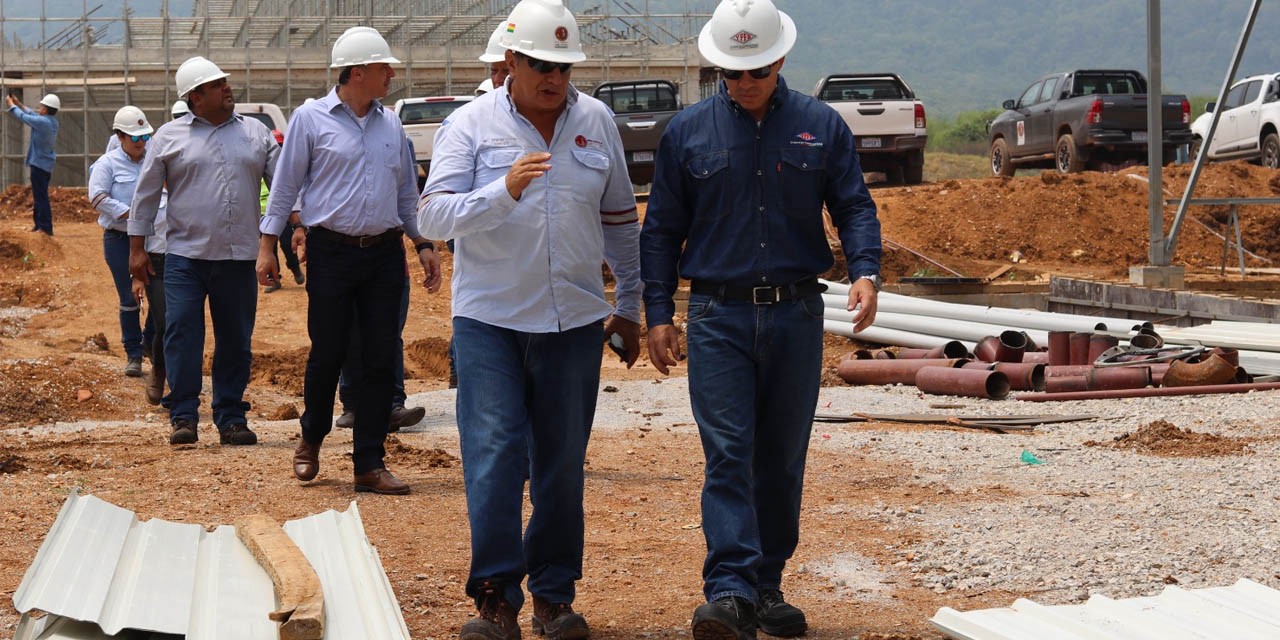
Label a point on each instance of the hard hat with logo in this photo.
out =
(195, 72)
(543, 29)
(360, 45)
(485, 87)
(51, 101)
(131, 121)
(179, 108)
(746, 34)
(494, 51)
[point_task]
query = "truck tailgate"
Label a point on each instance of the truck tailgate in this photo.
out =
(1130, 112)
(423, 137)
(880, 117)
(641, 131)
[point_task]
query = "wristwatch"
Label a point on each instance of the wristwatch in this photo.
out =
(876, 280)
(425, 244)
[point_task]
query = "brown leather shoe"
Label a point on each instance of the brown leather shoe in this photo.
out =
(155, 385)
(497, 620)
(381, 481)
(558, 621)
(306, 460)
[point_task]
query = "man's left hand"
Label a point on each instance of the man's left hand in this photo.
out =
(630, 333)
(431, 267)
(862, 293)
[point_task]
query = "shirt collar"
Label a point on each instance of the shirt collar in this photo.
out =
(192, 118)
(331, 101)
(776, 100)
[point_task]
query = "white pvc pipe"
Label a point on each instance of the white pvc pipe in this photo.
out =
(884, 336)
(941, 327)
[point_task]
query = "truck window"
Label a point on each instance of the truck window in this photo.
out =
(1251, 93)
(1087, 84)
(855, 89)
(1029, 96)
(638, 98)
(428, 112)
(1046, 94)
(1235, 97)
(1273, 92)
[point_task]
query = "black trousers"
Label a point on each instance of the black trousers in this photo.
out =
(346, 285)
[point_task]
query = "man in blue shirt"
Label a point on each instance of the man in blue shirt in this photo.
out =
(736, 207)
(40, 154)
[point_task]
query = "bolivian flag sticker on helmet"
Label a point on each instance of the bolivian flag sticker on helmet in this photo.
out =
(511, 27)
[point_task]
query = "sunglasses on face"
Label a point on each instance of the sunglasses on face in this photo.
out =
(142, 138)
(758, 74)
(542, 66)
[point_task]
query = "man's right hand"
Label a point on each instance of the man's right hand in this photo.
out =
(268, 267)
(664, 347)
(140, 265)
(299, 241)
(524, 171)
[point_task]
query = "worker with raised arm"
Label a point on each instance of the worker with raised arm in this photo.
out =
(40, 154)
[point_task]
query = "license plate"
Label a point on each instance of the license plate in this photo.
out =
(871, 143)
(642, 156)
(1139, 136)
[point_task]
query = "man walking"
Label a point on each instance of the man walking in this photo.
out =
(736, 207)
(212, 161)
(531, 181)
(349, 157)
(40, 154)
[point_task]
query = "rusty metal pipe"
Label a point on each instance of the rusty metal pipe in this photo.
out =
(1080, 348)
(1150, 392)
(1059, 348)
(972, 383)
(1158, 369)
(1023, 376)
(1099, 343)
(1036, 357)
(1232, 356)
(860, 354)
(1067, 371)
(1146, 341)
(952, 349)
(1118, 378)
(1242, 376)
(1065, 384)
(1009, 347)
(1213, 370)
(889, 371)
(884, 354)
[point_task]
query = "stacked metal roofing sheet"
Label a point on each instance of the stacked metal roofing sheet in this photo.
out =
(101, 573)
(1246, 610)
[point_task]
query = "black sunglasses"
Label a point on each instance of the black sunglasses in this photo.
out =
(542, 66)
(758, 74)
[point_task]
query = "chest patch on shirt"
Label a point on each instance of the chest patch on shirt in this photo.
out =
(501, 142)
(806, 139)
(585, 142)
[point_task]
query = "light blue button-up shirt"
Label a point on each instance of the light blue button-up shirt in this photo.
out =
(44, 132)
(534, 265)
(213, 176)
(353, 180)
(112, 181)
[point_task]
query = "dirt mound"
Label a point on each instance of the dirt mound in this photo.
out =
(1164, 439)
(402, 453)
(69, 204)
(19, 294)
(284, 370)
(43, 391)
(284, 412)
(427, 359)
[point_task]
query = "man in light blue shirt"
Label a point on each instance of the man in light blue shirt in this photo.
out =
(212, 161)
(40, 154)
(348, 156)
(531, 182)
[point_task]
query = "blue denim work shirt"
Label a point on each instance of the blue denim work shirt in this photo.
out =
(44, 131)
(738, 201)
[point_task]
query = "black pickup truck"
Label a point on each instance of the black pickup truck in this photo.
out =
(642, 109)
(1085, 119)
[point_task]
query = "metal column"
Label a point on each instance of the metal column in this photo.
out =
(1155, 137)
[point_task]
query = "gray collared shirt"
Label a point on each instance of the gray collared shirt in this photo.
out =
(214, 175)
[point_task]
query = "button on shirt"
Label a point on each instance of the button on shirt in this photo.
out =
(213, 175)
(357, 181)
(740, 201)
(533, 265)
(112, 181)
(44, 131)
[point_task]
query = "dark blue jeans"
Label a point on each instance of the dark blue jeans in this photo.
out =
(231, 287)
(519, 392)
(349, 382)
(753, 383)
(155, 298)
(349, 285)
(41, 213)
(115, 248)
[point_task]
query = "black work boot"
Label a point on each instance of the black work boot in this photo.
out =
(184, 432)
(497, 619)
(729, 618)
(558, 621)
(777, 618)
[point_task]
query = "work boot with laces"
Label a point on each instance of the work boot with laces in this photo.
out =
(777, 618)
(727, 618)
(558, 621)
(184, 432)
(497, 619)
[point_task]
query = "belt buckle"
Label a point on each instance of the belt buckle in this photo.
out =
(361, 242)
(758, 298)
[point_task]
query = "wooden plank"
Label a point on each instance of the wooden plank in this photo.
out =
(298, 590)
(997, 273)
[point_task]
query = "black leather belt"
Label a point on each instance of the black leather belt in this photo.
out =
(764, 294)
(364, 242)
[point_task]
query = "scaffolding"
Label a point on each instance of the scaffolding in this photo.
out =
(277, 51)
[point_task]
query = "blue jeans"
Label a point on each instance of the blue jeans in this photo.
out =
(349, 382)
(231, 286)
(753, 383)
(115, 248)
(41, 213)
(519, 392)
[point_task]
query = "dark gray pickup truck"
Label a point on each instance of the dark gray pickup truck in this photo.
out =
(1086, 119)
(642, 109)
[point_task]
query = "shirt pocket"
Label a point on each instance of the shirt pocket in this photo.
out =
(802, 178)
(494, 163)
(708, 175)
(589, 176)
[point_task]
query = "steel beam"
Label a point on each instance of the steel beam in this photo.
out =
(1155, 137)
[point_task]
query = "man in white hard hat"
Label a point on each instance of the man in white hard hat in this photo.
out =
(495, 55)
(348, 156)
(179, 108)
(736, 206)
(40, 154)
(531, 181)
(212, 160)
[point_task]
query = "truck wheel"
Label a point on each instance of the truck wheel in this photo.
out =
(1271, 151)
(1068, 157)
(894, 175)
(912, 174)
(1195, 147)
(1001, 163)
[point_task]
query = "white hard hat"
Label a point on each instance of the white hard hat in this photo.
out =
(494, 51)
(195, 72)
(51, 101)
(543, 29)
(131, 121)
(360, 45)
(308, 101)
(746, 34)
(485, 87)
(179, 107)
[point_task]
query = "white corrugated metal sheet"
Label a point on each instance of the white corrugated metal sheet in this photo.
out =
(100, 565)
(1246, 610)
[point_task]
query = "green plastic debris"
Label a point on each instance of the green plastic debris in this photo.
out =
(1030, 458)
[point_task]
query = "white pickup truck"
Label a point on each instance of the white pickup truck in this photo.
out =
(264, 112)
(421, 118)
(1247, 128)
(887, 120)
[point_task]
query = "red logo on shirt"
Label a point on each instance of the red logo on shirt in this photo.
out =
(562, 34)
(581, 141)
(807, 137)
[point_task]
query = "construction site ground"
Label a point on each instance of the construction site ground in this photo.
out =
(899, 520)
